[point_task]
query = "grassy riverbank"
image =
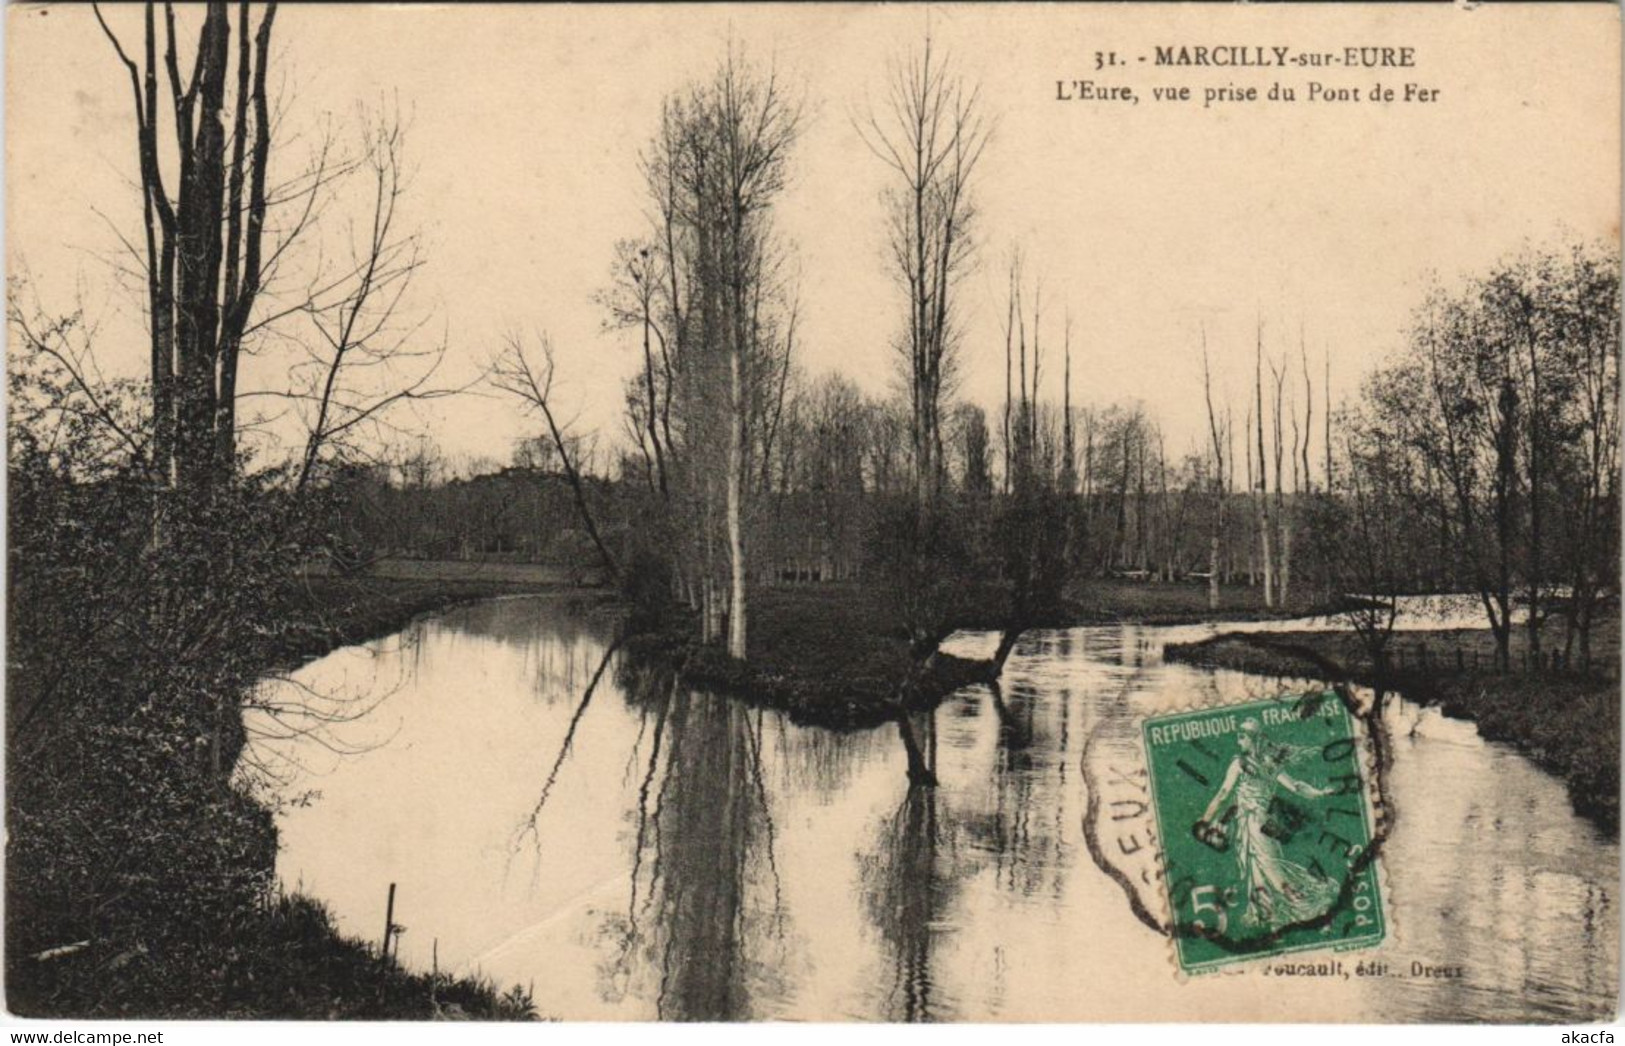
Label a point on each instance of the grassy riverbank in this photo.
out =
(1566, 722)
(281, 959)
(324, 613)
(287, 962)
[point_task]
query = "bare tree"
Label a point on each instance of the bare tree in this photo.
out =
(1308, 416)
(1263, 472)
(1366, 548)
(213, 245)
(751, 126)
(1586, 294)
(1283, 544)
(1069, 452)
(1326, 394)
(204, 245)
(1009, 374)
(930, 131)
(709, 293)
(632, 303)
(1458, 411)
(363, 360)
(969, 425)
(513, 371)
(1034, 525)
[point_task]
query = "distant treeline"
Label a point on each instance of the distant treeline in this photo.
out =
(1141, 513)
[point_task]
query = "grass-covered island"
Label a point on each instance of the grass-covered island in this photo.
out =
(829, 656)
(837, 655)
(1566, 721)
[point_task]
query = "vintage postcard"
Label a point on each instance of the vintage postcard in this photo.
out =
(839, 512)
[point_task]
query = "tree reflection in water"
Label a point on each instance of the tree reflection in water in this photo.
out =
(531, 827)
(704, 918)
(909, 883)
(937, 840)
(1024, 828)
(562, 646)
(659, 894)
(703, 931)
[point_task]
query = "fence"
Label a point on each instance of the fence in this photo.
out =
(1422, 658)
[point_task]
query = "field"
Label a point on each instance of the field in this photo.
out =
(401, 569)
(1098, 600)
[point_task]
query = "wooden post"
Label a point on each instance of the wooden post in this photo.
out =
(389, 927)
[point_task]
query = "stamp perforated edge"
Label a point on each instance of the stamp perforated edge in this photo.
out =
(1378, 809)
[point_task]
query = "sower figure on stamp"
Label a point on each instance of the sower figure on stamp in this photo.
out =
(1278, 891)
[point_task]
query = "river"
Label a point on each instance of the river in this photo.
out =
(657, 852)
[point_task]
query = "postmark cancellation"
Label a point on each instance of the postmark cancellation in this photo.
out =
(1265, 821)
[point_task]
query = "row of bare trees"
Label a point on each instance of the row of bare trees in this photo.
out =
(708, 293)
(1137, 508)
(1274, 507)
(1503, 405)
(1482, 459)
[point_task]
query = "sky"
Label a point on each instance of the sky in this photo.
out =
(1150, 224)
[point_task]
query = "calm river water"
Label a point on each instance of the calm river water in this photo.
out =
(659, 852)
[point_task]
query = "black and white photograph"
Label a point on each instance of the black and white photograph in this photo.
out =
(877, 513)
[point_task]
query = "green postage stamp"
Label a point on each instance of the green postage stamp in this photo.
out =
(1266, 829)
